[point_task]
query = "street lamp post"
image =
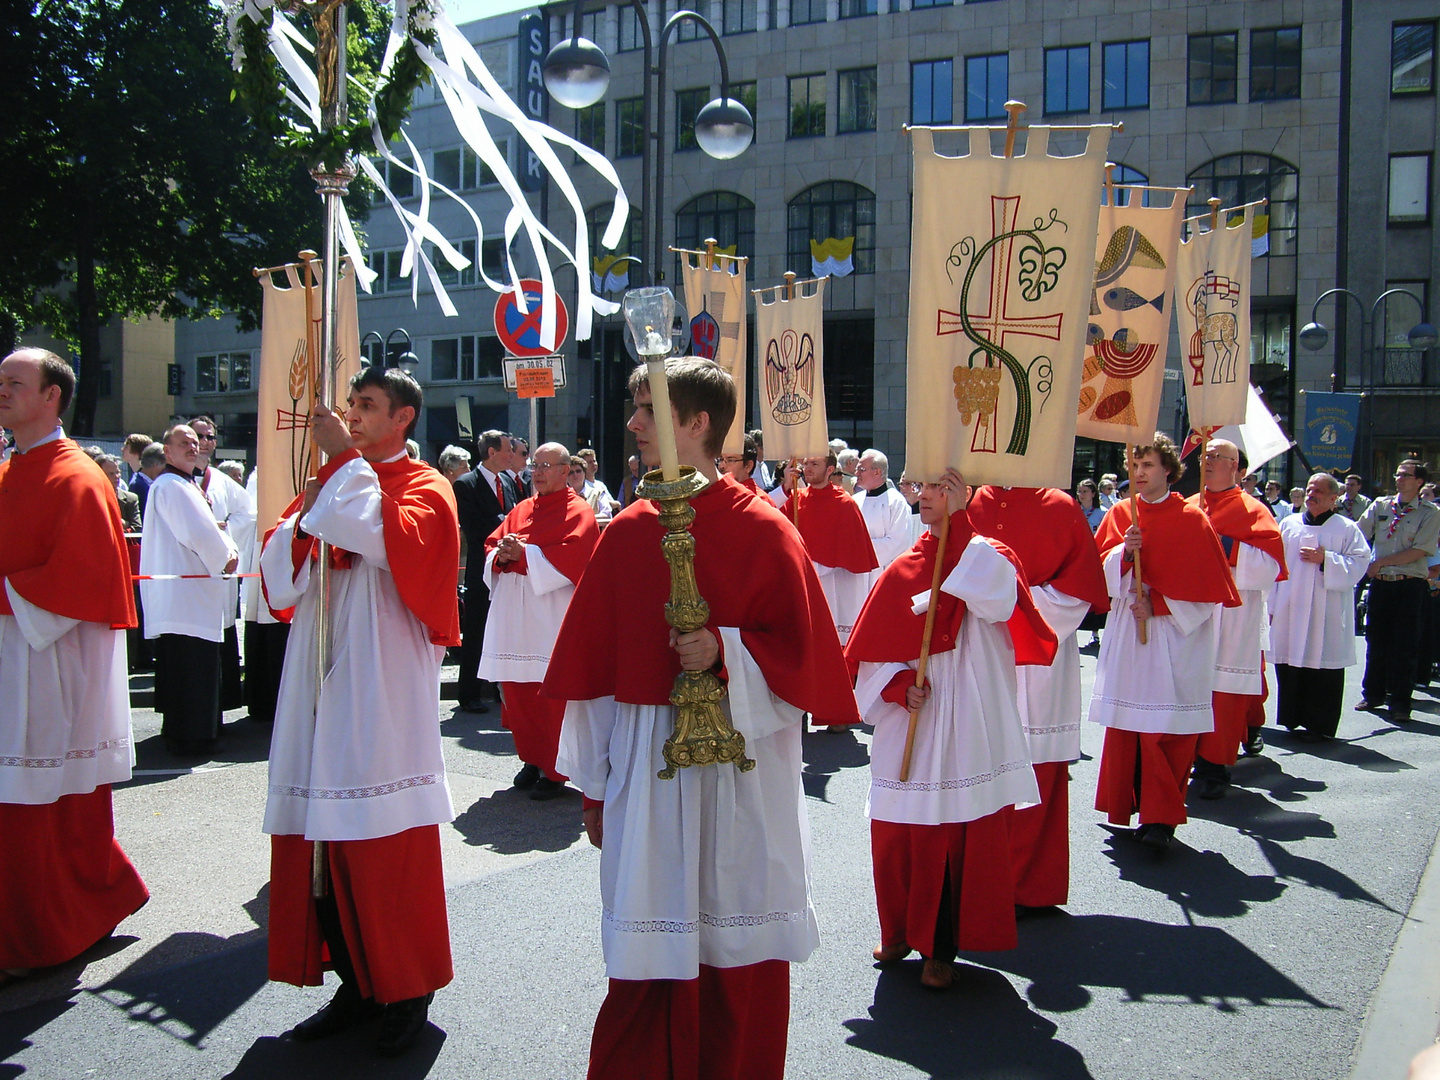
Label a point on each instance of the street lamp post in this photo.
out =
(407, 361)
(1315, 335)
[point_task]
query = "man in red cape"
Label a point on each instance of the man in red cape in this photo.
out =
(358, 765)
(1155, 697)
(1047, 530)
(940, 834)
(704, 878)
(741, 467)
(1256, 555)
(65, 603)
(533, 561)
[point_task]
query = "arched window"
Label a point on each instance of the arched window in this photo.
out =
(609, 272)
(727, 217)
(1236, 179)
(834, 210)
(1124, 174)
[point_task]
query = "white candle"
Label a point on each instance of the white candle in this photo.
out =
(664, 419)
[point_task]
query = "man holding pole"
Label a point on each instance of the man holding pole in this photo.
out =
(937, 646)
(1167, 577)
(357, 776)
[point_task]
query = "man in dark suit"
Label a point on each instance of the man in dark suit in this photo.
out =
(520, 466)
(483, 496)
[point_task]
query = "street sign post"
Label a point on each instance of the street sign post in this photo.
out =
(519, 331)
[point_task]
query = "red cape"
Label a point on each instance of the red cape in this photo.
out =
(561, 524)
(63, 543)
(833, 528)
(422, 540)
(1047, 530)
(1242, 518)
(1181, 557)
(753, 572)
(888, 630)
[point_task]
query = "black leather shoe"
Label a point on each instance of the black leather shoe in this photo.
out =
(1158, 836)
(474, 705)
(1400, 717)
(1254, 744)
(1366, 706)
(527, 777)
(1211, 787)
(403, 1023)
(346, 1010)
(547, 789)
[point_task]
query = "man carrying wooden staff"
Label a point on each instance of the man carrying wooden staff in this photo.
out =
(1155, 697)
(940, 800)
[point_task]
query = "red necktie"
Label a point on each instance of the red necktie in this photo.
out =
(500, 493)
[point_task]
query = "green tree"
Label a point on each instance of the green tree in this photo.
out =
(135, 183)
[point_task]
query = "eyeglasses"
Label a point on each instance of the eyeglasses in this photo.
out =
(205, 438)
(1404, 476)
(731, 460)
(538, 465)
(1207, 456)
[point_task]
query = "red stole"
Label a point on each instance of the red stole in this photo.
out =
(833, 528)
(561, 524)
(1243, 519)
(1047, 530)
(1181, 558)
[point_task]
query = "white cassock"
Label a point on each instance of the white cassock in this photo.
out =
(1314, 609)
(712, 867)
(180, 536)
(1163, 686)
(970, 757)
(887, 518)
(1049, 697)
(367, 762)
(234, 508)
(526, 611)
(1244, 631)
(252, 601)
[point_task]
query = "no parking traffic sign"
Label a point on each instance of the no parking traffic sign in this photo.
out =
(519, 331)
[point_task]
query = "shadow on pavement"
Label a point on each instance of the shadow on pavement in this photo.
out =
(1203, 883)
(242, 741)
(825, 754)
(62, 980)
(17, 1027)
(482, 732)
(1317, 875)
(349, 1054)
(1268, 775)
(1251, 812)
(509, 822)
(1064, 955)
(979, 1027)
(1346, 752)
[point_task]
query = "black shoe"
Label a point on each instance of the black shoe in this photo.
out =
(1139, 833)
(474, 705)
(1366, 706)
(547, 789)
(527, 777)
(1211, 787)
(1157, 836)
(404, 1021)
(1254, 744)
(1400, 717)
(346, 1009)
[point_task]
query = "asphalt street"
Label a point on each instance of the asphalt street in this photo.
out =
(1255, 948)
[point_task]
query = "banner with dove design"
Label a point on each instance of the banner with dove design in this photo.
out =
(790, 335)
(716, 301)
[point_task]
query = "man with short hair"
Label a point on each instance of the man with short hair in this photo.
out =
(847, 461)
(483, 496)
(183, 551)
(886, 513)
(596, 493)
(356, 763)
(1354, 502)
(1403, 533)
(235, 513)
(631, 481)
(1312, 633)
(704, 878)
(533, 561)
(1154, 698)
(129, 501)
(520, 466)
(741, 467)
(152, 464)
(1256, 557)
(65, 738)
(130, 451)
(765, 477)
(1275, 500)
(454, 462)
(591, 494)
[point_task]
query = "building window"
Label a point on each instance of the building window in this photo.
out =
(688, 104)
(107, 379)
(1213, 72)
(850, 378)
(806, 11)
(386, 265)
(1126, 75)
(723, 215)
(629, 127)
(807, 106)
(1404, 366)
(987, 86)
(1124, 174)
(1237, 179)
(1412, 58)
(857, 101)
(833, 210)
(447, 274)
(492, 260)
(590, 126)
(1275, 64)
(745, 94)
(932, 89)
(1409, 202)
(1067, 80)
(631, 35)
(738, 16)
(467, 358)
(462, 170)
(400, 182)
(854, 9)
(915, 4)
(221, 373)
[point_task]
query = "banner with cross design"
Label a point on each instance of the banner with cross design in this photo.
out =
(715, 299)
(1124, 373)
(289, 383)
(789, 333)
(1000, 284)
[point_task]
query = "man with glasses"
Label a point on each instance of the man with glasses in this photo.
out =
(886, 513)
(1353, 503)
(741, 467)
(1403, 532)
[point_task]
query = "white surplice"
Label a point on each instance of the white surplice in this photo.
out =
(970, 757)
(1164, 685)
(526, 611)
(844, 590)
(887, 518)
(368, 761)
(1049, 697)
(1244, 637)
(1314, 610)
(252, 600)
(713, 866)
(180, 536)
(234, 511)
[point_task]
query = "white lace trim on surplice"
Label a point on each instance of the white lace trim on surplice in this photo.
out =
(672, 926)
(948, 785)
(355, 792)
(58, 762)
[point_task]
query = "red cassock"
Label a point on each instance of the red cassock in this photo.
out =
(1046, 529)
(65, 883)
(833, 528)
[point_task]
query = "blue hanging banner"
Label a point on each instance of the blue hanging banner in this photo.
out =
(1332, 422)
(532, 96)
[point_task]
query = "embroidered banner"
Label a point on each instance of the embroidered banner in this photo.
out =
(715, 299)
(1331, 423)
(790, 336)
(1124, 373)
(1212, 306)
(1000, 285)
(289, 384)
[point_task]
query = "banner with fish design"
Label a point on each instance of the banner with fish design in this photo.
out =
(1000, 284)
(715, 298)
(1212, 305)
(1124, 373)
(790, 333)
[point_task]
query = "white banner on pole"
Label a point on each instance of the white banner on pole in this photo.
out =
(789, 332)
